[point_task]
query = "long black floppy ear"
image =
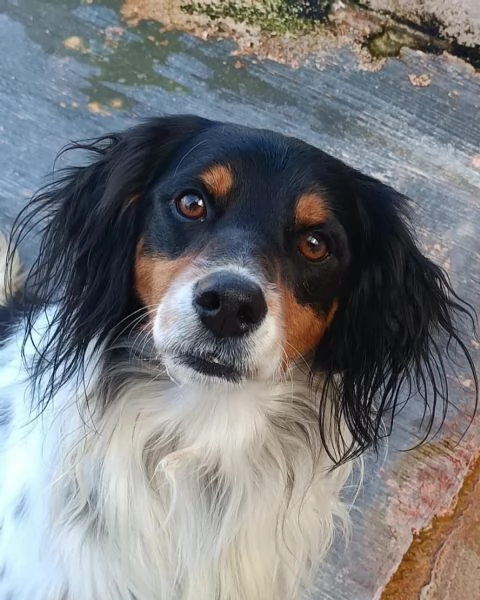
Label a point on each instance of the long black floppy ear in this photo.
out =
(395, 330)
(89, 221)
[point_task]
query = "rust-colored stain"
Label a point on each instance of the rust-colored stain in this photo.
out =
(443, 561)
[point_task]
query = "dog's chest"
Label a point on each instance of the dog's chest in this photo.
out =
(162, 499)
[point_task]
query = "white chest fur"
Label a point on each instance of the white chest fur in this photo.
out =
(170, 493)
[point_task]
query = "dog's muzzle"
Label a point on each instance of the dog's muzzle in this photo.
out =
(216, 326)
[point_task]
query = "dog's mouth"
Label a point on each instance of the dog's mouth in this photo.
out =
(210, 366)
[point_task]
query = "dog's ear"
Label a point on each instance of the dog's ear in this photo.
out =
(90, 220)
(395, 329)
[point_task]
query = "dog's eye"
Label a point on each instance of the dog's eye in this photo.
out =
(192, 206)
(313, 247)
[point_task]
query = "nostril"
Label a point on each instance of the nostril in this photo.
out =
(246, 314)
(209, 300)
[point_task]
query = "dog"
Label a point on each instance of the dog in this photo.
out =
(219, 323)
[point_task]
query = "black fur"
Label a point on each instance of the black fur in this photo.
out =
(12, 314)
(397, 315)
(397, 330)
(7, 322)
(90, 224)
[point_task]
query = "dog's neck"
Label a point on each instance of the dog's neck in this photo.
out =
(231, 481)
(185, 492)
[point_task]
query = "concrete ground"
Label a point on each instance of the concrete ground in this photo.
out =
(459, 19)
(73, 69)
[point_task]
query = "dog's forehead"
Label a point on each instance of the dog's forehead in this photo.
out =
(248, 164)
(236, 140)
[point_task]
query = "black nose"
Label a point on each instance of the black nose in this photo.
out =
(228, 304)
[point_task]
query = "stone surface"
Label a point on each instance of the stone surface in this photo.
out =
(73, 70)
(443, 562)
(459, 19)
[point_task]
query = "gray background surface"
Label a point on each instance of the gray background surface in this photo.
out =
(423, 141)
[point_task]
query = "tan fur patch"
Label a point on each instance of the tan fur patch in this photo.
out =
(304, 328)
(154, 275)
(218, 180)
(311, 210)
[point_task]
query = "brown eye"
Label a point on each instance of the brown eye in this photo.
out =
(313, 247)
(192, 207)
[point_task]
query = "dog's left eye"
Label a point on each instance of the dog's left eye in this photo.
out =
(313, 247)
(192, 206)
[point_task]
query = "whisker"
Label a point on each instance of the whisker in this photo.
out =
(144, 311)
(299, 355)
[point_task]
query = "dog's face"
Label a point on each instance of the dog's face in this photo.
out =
(243, 261)
(239, 253)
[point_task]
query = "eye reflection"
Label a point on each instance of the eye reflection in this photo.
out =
(313, 247)
(192, 206)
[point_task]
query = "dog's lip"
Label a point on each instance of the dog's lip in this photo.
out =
(210, 365)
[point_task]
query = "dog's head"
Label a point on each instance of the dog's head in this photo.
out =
(243, 252)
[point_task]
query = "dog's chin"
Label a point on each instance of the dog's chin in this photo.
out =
(191, 368)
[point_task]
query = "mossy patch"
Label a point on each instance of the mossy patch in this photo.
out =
(273, 16)
(426, 37)
(391, 40)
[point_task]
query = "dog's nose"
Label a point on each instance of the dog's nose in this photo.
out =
(229, 304)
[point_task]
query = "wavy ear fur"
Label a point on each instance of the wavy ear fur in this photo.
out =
(394, 333)
(90, 220)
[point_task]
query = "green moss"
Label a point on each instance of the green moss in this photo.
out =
(275, 16)
(391, 40)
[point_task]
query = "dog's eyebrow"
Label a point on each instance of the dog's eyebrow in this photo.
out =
(187, 153)
(218, 179)
(310, 210)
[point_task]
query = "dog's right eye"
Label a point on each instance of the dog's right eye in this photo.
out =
(313, 247)
(192, 207)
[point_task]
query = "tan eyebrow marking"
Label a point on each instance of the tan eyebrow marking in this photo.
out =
(311, 210)
(218, 180)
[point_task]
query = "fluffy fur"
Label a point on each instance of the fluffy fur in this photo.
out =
(145, 455)
(171, 493)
